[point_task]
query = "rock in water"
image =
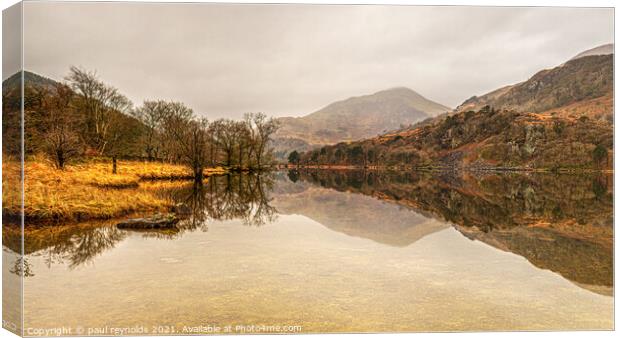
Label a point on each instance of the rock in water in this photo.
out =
(155, 222)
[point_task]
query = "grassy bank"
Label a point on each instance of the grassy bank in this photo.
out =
(88, 190)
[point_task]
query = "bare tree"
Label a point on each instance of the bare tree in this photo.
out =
(152, 115)
(243, 142)
(123, 138)
(61, 142)
(190, 138)
(225, 138)
(260, 129)
(99, 102)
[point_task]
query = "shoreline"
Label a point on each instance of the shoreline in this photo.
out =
(90, 192)
(445, 169)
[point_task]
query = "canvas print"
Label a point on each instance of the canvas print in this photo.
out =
(196, 168)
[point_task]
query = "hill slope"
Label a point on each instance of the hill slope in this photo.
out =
(13, 82)
(579, 79)
(11, 107)
(559, 118)
(355, 118)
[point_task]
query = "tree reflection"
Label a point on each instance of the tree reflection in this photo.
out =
(484, 200)
(227, 197)
(241, 196)
(21, 267)
(560, 222)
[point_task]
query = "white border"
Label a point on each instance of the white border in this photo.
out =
(510, 3)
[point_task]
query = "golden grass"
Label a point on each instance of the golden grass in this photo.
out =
(88, 191)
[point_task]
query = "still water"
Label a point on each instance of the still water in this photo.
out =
(338, 252)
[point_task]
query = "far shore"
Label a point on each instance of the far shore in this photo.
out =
(444, 168)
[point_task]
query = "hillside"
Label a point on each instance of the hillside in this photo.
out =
(11, 106)
(559, 118)
(579, 79)
(36, 89)
(13, 82)
(354, 119)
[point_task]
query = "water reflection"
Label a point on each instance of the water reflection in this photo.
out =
(244, 197)
(561, 223)
(72, 245)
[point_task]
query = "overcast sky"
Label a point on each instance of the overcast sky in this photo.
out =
(224, 60)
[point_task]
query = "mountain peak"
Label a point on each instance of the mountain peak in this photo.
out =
(361, 117)
(402, 89)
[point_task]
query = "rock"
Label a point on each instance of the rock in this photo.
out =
(156, 222)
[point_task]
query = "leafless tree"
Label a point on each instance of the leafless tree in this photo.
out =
(224, 135)
(260, 129)
(61, 141)
(190, 138)
(152, 115)
(99, 102)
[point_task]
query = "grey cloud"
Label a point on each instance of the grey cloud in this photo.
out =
(224, 60)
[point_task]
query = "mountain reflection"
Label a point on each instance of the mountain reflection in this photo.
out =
(562, 223)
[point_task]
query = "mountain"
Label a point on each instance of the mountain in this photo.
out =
(354, 119)
(559, 118)
(600, 50)
(579, 79)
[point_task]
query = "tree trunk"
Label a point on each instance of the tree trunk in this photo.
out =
(60, 160)
(198, 174)
(114, 164)
(240, 157)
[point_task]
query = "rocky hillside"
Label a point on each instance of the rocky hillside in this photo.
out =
(559, 118)
(577, 80)
(354, 119)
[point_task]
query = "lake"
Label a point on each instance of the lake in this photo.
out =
(336, 251)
